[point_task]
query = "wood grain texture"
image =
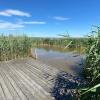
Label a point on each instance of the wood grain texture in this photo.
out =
(26, 79)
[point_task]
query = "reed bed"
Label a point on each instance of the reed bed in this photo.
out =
(14, 47)
(92, 68)
(60, 42)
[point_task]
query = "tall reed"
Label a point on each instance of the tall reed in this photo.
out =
(92, 68)
(14, 47)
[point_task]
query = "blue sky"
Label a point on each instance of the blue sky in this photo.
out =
(47, 18)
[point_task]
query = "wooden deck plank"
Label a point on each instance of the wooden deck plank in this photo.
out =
(43, 67)
(26, 79)
(31, 84)
(9, 86)
(2, 95)
(34, 76)
(5, 89)
(18, 90)
(37, 62)
(13, 83)
(23, 85)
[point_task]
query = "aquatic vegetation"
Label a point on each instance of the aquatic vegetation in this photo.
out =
(60, 42)
(92, 68)
(14, 47)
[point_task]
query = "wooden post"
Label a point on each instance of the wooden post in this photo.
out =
(35, 54)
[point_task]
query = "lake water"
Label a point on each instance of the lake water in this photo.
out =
(68, 61)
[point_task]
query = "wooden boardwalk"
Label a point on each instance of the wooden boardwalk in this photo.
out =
(26, 79)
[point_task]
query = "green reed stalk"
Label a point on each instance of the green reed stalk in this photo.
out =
(14, 47)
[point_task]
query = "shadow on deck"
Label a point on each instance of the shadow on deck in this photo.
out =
(66, 86)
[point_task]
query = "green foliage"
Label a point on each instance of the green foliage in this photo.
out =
(60, 42)
(92, 68)
(14, 47)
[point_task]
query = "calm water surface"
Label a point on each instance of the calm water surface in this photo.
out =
(68, 60)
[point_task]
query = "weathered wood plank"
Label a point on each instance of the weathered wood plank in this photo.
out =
(26, 79)
(2, 95)
(21, 83)
(5, 89)
(35, 76)
(15, 86)
(9, 86)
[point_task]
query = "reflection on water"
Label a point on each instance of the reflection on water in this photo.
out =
(61, 49)
(66, 60)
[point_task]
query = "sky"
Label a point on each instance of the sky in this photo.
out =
(48, 18)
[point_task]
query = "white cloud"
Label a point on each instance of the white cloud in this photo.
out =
(8, 25)
(17, 25)
(11, 12)
(61, 18)
(35, 22)
(20, 21)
